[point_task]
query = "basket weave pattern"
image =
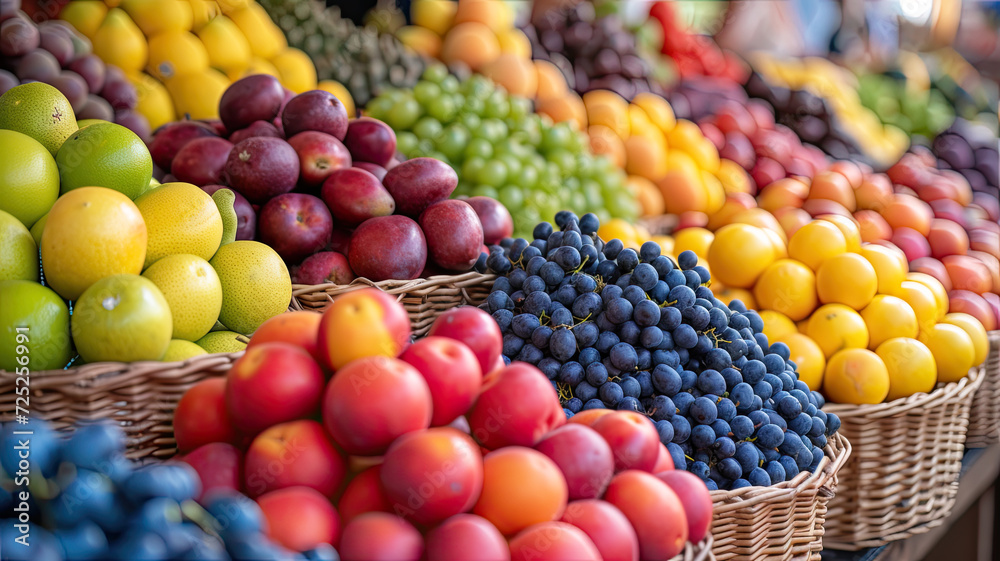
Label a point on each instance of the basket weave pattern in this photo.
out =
(984, 418)
(701, 551)
(780, 522)
(140, 397)
(423, 299)
(903, 476)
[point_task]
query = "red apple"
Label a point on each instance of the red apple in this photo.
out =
(315, 110)
(418, 183)
(477, 329)
(202, 161)
(355, 195)
(262, 167)
(295, 328)
(201, 418)
(370, 140)
(300, 518)
(295, 225)
(364, 494)
(256, 128)
(633, 439)
(291, 454)
(362, 323)
(517, 408)
(323, 267)
(170, 138)
(495, 219)
(253, 98)
(218, 465)
(694, 496)
(454, 234)
(388, 247)
(452, 373)
(319, 155)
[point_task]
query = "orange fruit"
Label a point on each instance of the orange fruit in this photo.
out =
(816, 242)
(697, 240)
(953, 350)
(603, 140)
(835, 327)
(807, 355)
(856, 376)
(657, 109)
(922, 300)
(739, 254)
(734, 178)
(649, 197)
(833, 186)
(888, 317)
(975, 331)
(849, 227)
(565, 108)
(910, 365)
(889, 267)
(645, 158)
(727, 294)
(472, 43)
(938, 289)
(847, 279)
(551, 82)
(607, 108)
(787, 286)
(514, 73)
(776, 325)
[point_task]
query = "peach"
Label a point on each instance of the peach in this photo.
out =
(992, 265)
(433, 474)
(734, 203)
(694, 496)
(218, 465)
(297, 453)
(760, 218)
(633, 440)
(850, 170)
(361, 417)
(909, 211)
(968, 273)
(518, 407)
(950, 210)
(994, 301)
(975, 305)
(300, 518)
(988, 203)
(295, 328)
(583, 456)
(606, 526)
(474, 327)
(201, 418)
(960, 186)
(986, 241)
(819, 207)
(947, 238)
(934, 268)
(553, 541)
(833, 186)
(872, 225)
(791, 219)
(270, 384)
(363, 494)
(912, 242)
(452, 373)
(466, 537)
(788, 192)
(377, 536)
(691, 219)
(655, 511)
(521, 487)
(664, 461)
(910, 171)
(363, 323)
(589, 417)
(874, 193)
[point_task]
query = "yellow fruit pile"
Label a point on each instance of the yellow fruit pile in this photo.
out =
(181, 55)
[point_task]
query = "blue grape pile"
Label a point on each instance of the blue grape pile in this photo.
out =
(80, 498)
(615, 328)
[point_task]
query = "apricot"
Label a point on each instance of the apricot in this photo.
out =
(514, 41)
(300, 518)
(495, 15)
(518, 407)
(791, 219)
(872, 226)
(472, 43)
(589, 417)
(513, 72)
(568, 107)
(466, 537)
(968, 273)
(553, 541)
(521, 487)
(691, 219)
(421, 40)
(584, 457)
(363, 494)
(658, 110)
(377, 536)
(649, 197)
(913, 244)
(734, 178)
(889, 263)
(550, 80)
(909, 211)
(934, 268)
(967, 302)
(694, 496)
(787, 286)
(606, 526)
(992, 265)
(833, 186)
(645, 158)
(655, 511)
(787, 192)
(848, 226)
(819, 207)
(734, 203)
(850, 170)
(874, 193)
(297, 453)
(994, 302)
(947, 238)
(362, 323)
(433, 474)
(605, 141)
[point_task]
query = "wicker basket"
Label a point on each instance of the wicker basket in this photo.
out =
(984, 418)
(701, 551)
(903, 476)
(140, 396)
(424, 299)
(780, 522)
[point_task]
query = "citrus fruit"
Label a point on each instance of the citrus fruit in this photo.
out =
(787, 286)
(222, 342)
(154, 101)
(807, 355)
(91, 233)
(856, 376)
(697, 240)
(29, 178)
(172, 53)
(227, 47)
(86, 17)
(120, 42)
(39, 111)
(197, 94)
(940, 293)
(162, 15)
(976, 332)
(835, 327)
(728, 294)
(105, 155)
(122, 318)
(816, 242)
(849, 227)
(179, 350)
(45, 318)
(890, 268)
(910, 365)
(18, 252)
(266, 41)
(298, 73)
(739, 254)
(181, 218)
(888, 317)
(192, 290)
(776, 325)
(255, 284)
(952, 349)
(922, 300)
(38, 228)
(847, 279)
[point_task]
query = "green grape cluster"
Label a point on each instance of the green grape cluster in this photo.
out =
(916, 112)
(501, 149)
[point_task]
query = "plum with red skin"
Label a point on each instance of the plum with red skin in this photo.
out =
(91, 68)
(202, 161)
(295, 225)
(418, 183)
(583, 456)
(388, 247)
(454, 234)
(246, 216)
(355, 195)
(477, 329)
(495, 219)
(256, 128)
(253, 98)
(376, 170)
(261, 168)
(170, 138)
(315, 110)
(219, 466)
(323, 267)
(370, 140)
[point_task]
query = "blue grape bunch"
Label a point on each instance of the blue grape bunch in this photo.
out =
(85, 500)
(615, 328)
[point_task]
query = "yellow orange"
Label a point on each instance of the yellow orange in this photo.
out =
(835, 327)
(856, 376)
(787, 286)
(607, 108)
(888, 317)
(739, 254)
(847, 279)
(816, 242)
(697, 240)
(849, 227)
(890, 270)
(807, 355)
(910, 365)
(776, 325)
(976, 332)
(657, 109)
(953, 350)
(938, 289)
(922, 300)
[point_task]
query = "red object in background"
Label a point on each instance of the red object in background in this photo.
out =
(695, 54)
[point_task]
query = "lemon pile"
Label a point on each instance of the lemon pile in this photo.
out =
(151, 270)
(181, 55)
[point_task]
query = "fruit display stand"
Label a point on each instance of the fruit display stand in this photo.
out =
(903, 476)
(140, 397)
(784, 521)
(423, 299)
(984, 419)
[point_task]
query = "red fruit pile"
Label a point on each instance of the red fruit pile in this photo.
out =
(327, 193)
(694, 54)
(409, 451)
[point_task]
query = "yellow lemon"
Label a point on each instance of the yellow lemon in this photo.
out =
(227, 47)
(157, 16)
(85, 15)
(952, 348)
(776, 325)
(154, 100)
(173, 53)
(787, 286)
(197, 94)
(856, 376)
(976, 332)
(266, 40)
(120, 42)
(910, 365)
(835, 327)
(848, 279)
(888, 317)
(192, 288)
(657, 109)
(297, 71)
(513, 41)
(257, 66)
(181, 218)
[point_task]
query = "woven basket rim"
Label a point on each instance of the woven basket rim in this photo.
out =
(701, 551)
(941, 394)
(393, 286)
(63, 378)
(838, 450)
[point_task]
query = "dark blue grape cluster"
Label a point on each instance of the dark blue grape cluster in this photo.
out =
(80, 498)
(615, 328)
